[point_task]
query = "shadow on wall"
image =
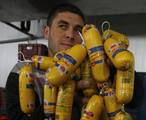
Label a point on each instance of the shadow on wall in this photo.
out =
(129, 24)
(45, 5)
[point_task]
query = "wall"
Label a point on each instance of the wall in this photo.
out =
(9, 51)
(137, 46)
(8, 57)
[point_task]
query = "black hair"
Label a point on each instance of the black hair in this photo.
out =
(65, 7)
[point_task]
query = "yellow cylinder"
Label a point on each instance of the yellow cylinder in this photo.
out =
(26, 89)
(50, 97)
(119, 56)
(74, 56)
(121, 38)
(94, 45)
(111, 104)
(93, 108)
(123, 116)
(125, 85)
(42, 62)
(87, 75)
(65, 101)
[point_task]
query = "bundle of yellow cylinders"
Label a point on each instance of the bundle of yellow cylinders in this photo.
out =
(58, 74)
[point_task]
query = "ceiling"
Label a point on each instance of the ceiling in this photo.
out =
(19, 10)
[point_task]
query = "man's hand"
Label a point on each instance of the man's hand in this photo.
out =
(85, 84)
(81, 99)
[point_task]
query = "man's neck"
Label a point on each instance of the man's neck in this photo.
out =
(51, 53)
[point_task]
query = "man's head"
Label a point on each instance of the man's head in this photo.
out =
(63, 8)
(63, 24)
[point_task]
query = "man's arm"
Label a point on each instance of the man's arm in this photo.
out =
(12, 100)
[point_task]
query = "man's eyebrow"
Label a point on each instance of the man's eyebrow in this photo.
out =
(79, 26)
(65, 22)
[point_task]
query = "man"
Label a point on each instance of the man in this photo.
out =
(63, 24)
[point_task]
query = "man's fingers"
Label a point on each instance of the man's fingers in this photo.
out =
(84, 84)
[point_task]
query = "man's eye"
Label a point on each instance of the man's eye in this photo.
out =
(78, 30)
(64, 27)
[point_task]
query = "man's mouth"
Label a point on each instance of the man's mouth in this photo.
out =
(66, 45)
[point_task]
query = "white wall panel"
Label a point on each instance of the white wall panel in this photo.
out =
(138, 47)
(8, 59)
(8, 52)
(7, 32)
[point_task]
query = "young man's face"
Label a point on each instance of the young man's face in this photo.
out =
(63, 32)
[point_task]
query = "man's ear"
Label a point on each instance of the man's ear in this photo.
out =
(45, 32)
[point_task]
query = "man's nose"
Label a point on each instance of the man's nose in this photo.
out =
(70, 34)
